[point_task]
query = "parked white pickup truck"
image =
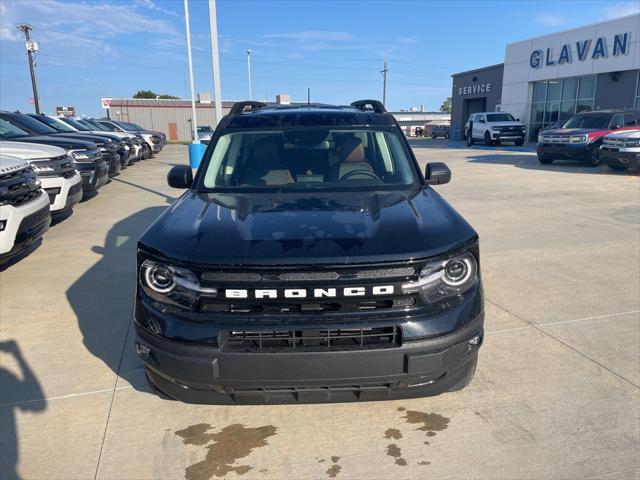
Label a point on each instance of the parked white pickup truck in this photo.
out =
(55, 169)
(24, 208)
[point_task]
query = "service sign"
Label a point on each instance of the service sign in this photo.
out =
(581, 51)
(475, 89)
(105, 102)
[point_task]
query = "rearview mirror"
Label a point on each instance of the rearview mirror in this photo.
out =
(437, 173)
(180, 177)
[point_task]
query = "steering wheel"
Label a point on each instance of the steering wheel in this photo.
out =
(366, 173)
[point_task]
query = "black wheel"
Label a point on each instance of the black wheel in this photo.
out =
(545, 160)
(487, 139)
(594, 158)
(519, 143)
(618, 168)
(469, 139)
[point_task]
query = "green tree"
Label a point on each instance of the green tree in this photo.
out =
(446, 105)
(151, 94)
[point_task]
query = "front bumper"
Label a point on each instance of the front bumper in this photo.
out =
(94, 175)
(619, 158)
(508, 136)
(64, 193)
(199, 373)
(566, 151)
(23, 225)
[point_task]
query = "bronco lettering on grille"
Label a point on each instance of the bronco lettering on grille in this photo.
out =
(270, 293)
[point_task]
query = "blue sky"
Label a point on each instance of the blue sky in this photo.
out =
(112, 48)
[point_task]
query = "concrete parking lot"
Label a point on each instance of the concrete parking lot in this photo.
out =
(556, 394)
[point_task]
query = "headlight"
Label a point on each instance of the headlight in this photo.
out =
(445, 279)
(42, 168)
(579, 138)
(80, 155)
(173, 285)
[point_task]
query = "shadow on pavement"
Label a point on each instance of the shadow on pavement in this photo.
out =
(12, 389)
(102, 298)
(530, 162)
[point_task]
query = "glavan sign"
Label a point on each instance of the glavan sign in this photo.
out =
(581, 51)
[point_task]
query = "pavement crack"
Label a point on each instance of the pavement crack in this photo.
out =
(561, 342)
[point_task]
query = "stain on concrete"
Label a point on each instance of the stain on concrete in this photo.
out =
(393, 433)
(431, 422)
(401, 409)
(224, 448)
(334, 469)
(424, 463)
(322, 460)
(394, 451)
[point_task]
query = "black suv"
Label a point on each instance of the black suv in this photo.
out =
(309, 260)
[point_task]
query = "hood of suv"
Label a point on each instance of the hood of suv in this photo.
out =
(572, 131)
(340, 228)
(630, 133)
(11, 164)
(30, 151)
(506, 124)
(62, 142)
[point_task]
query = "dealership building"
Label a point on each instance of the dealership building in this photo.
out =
(546, 80)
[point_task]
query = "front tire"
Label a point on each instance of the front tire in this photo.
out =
(469, 139)
(545, 160)
(487, 139)
(594, 159)
(519, 143)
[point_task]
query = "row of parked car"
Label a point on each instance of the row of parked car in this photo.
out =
(49, 164)
(602, 136)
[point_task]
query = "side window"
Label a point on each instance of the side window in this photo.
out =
(616, 122)
(629, 120)
(481, 119)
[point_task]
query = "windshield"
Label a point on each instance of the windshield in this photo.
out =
(7, 130)
(55, 124)
(123, 125)
(598, 122)
(75, 124)
(94, 125)
(500, 117)
(32, 125)
(206, 129)
(309, 158)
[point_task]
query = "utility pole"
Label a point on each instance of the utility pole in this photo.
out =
(384, 84)
(31, 47)
(194, 120)
(215, 60)
(249, 70)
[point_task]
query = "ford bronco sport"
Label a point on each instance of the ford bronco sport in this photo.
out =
(309, 260)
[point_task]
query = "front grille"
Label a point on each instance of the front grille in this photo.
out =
(35, 219)
(289, 291)
(555, 139)
(312, 340)
(621, 142)
(21, 186)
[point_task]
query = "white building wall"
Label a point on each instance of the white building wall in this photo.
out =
(518, 72)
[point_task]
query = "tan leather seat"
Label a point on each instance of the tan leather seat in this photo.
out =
(352, 158)
(266, 166)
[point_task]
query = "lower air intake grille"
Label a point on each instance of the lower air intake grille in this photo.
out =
(312, 340)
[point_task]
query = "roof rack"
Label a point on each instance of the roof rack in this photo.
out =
(366, 105)
(243, 107)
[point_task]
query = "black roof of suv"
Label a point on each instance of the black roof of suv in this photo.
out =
(258, 114)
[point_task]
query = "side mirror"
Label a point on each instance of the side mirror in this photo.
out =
(437, 173)
(180, 177)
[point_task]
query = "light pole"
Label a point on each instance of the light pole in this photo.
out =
(215, 60)
(31, 47)
(194, 120)
(249, 70)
